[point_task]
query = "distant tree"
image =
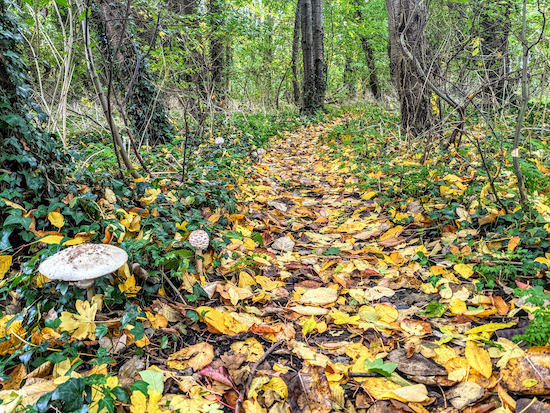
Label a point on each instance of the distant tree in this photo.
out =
(368, 51)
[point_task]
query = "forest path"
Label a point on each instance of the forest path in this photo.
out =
(307, 183)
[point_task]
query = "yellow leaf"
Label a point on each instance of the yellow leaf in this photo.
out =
(251, 347)
(196, 356)
(5, 264)
(278, 385)
(308, 325)
(489, 328)
(368, 195)
(14, 331)
(214, 218)
(464, 269)
(457, 306)
(343, 318)
(392, 233)
(544, 260)
(56, 219)
(479, 359)
(222, 323)
(82, 325)
(249, 243)
(182, 226)
(129, 286)
(14, 205)
(156, 320)
(246, 280)
(530, 382)
(56, 239)
(140, 403)
(351, 227)
(387, 313)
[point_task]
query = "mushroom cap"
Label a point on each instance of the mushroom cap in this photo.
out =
(219, 140)
(83, 262)
(261, 151)
(199, 239)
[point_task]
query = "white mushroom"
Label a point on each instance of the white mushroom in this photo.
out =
(82, 264)
(219, 141)
(261, 151)
(199, 240)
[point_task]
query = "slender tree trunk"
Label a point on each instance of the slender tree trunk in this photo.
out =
(349, 77)
(143, 105)
(374, 85)
(320, 71)
(90, 64)
(308, 94)
(495, 28)
(216, 50)
(295, 53)
(408, 17)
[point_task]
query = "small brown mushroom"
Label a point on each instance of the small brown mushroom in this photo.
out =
(200, 240)
(82, 264)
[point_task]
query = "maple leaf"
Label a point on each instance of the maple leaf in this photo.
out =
(81, 325)
(144, 404)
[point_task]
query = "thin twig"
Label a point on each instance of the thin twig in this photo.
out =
(253, 373)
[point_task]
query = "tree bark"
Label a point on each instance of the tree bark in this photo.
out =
(308, 93)
(315, 79)
(374, 84)
(295, 53)
(143, 105)
(408, 17)
(320, 72)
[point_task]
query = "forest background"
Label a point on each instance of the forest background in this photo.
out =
(137, 122)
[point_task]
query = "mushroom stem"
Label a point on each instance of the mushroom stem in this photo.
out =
(90, 292)
(198, 263)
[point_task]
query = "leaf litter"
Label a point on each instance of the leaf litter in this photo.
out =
(320, 296)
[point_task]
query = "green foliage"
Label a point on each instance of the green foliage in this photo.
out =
(538, 331)
(31, 161)
(378, 366)
(434, 309)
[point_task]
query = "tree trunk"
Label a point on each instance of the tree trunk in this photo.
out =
(315, 79)
(216, 51)
(308, 105)
(320, 71)
(295, 52)
(374, 85)
(495, 29)
(408, 17)
(349, 77)
(143, 105)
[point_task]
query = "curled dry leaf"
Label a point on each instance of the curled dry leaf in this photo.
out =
(319, 296)
(197, 356)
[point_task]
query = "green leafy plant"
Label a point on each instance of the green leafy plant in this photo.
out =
(378, 366)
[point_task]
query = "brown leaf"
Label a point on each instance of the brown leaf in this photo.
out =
(535, 364)
(308, 390)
